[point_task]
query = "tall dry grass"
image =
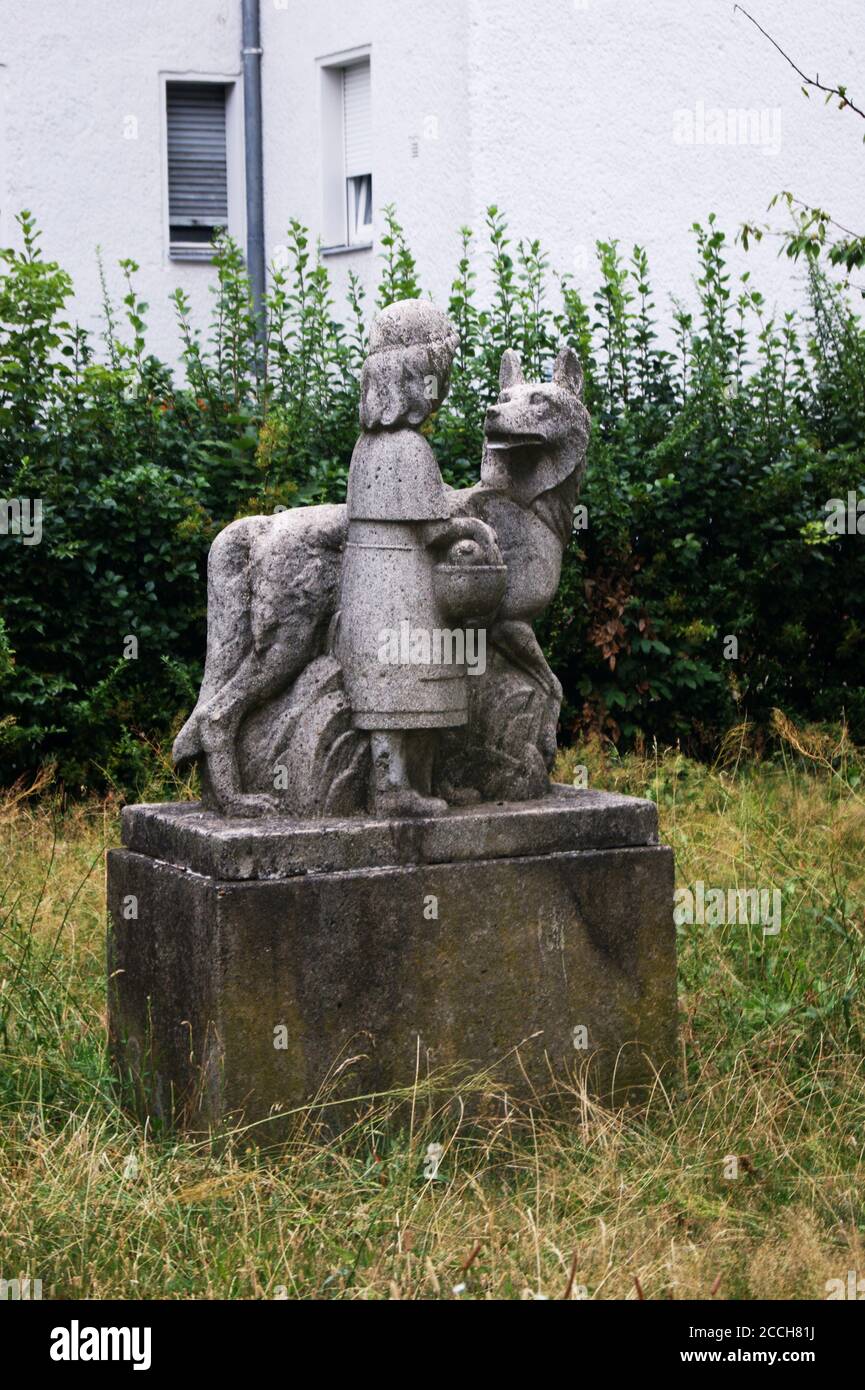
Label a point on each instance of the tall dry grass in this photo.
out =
(635, 1204)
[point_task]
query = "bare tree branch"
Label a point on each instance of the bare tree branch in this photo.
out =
(839, 92)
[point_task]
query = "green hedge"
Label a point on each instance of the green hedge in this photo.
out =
(710, 467)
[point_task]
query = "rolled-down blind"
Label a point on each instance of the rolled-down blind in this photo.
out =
(197, 170)
(357, 113)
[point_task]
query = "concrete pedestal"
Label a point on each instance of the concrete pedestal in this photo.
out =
(250, 961)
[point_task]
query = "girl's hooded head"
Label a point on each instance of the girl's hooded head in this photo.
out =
(406, 373)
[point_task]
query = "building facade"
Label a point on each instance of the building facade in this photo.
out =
(122, 127)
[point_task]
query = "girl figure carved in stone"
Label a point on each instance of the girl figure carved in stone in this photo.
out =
(399, 527)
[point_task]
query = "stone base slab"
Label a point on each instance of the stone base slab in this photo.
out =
(252, 963)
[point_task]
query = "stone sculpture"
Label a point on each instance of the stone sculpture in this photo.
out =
(380, 879)
(303, 709)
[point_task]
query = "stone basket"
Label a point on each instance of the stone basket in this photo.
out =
(469, 592)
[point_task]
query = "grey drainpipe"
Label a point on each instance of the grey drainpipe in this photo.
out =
(251, 52)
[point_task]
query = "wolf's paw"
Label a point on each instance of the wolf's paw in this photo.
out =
(187, 745)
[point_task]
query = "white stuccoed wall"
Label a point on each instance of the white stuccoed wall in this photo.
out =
(561, 111)
(74, 73)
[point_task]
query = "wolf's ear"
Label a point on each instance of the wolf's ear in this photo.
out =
(511, 370)
(567, 371)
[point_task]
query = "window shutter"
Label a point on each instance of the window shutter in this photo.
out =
(357, 113)
(197, 168)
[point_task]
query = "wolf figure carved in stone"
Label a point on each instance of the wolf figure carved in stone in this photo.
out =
(273, 730)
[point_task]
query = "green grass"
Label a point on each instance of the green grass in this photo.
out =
(625, 1205)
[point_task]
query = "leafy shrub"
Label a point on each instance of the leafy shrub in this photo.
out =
(718, 439)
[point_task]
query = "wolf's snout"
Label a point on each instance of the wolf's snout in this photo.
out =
(502, 421)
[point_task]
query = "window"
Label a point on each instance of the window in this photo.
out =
(357, 125)
(347, 152)
(197, 166)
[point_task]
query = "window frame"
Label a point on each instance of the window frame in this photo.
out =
(336, 235)
(234, 160)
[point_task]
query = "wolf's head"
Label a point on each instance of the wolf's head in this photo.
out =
(536, 433)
